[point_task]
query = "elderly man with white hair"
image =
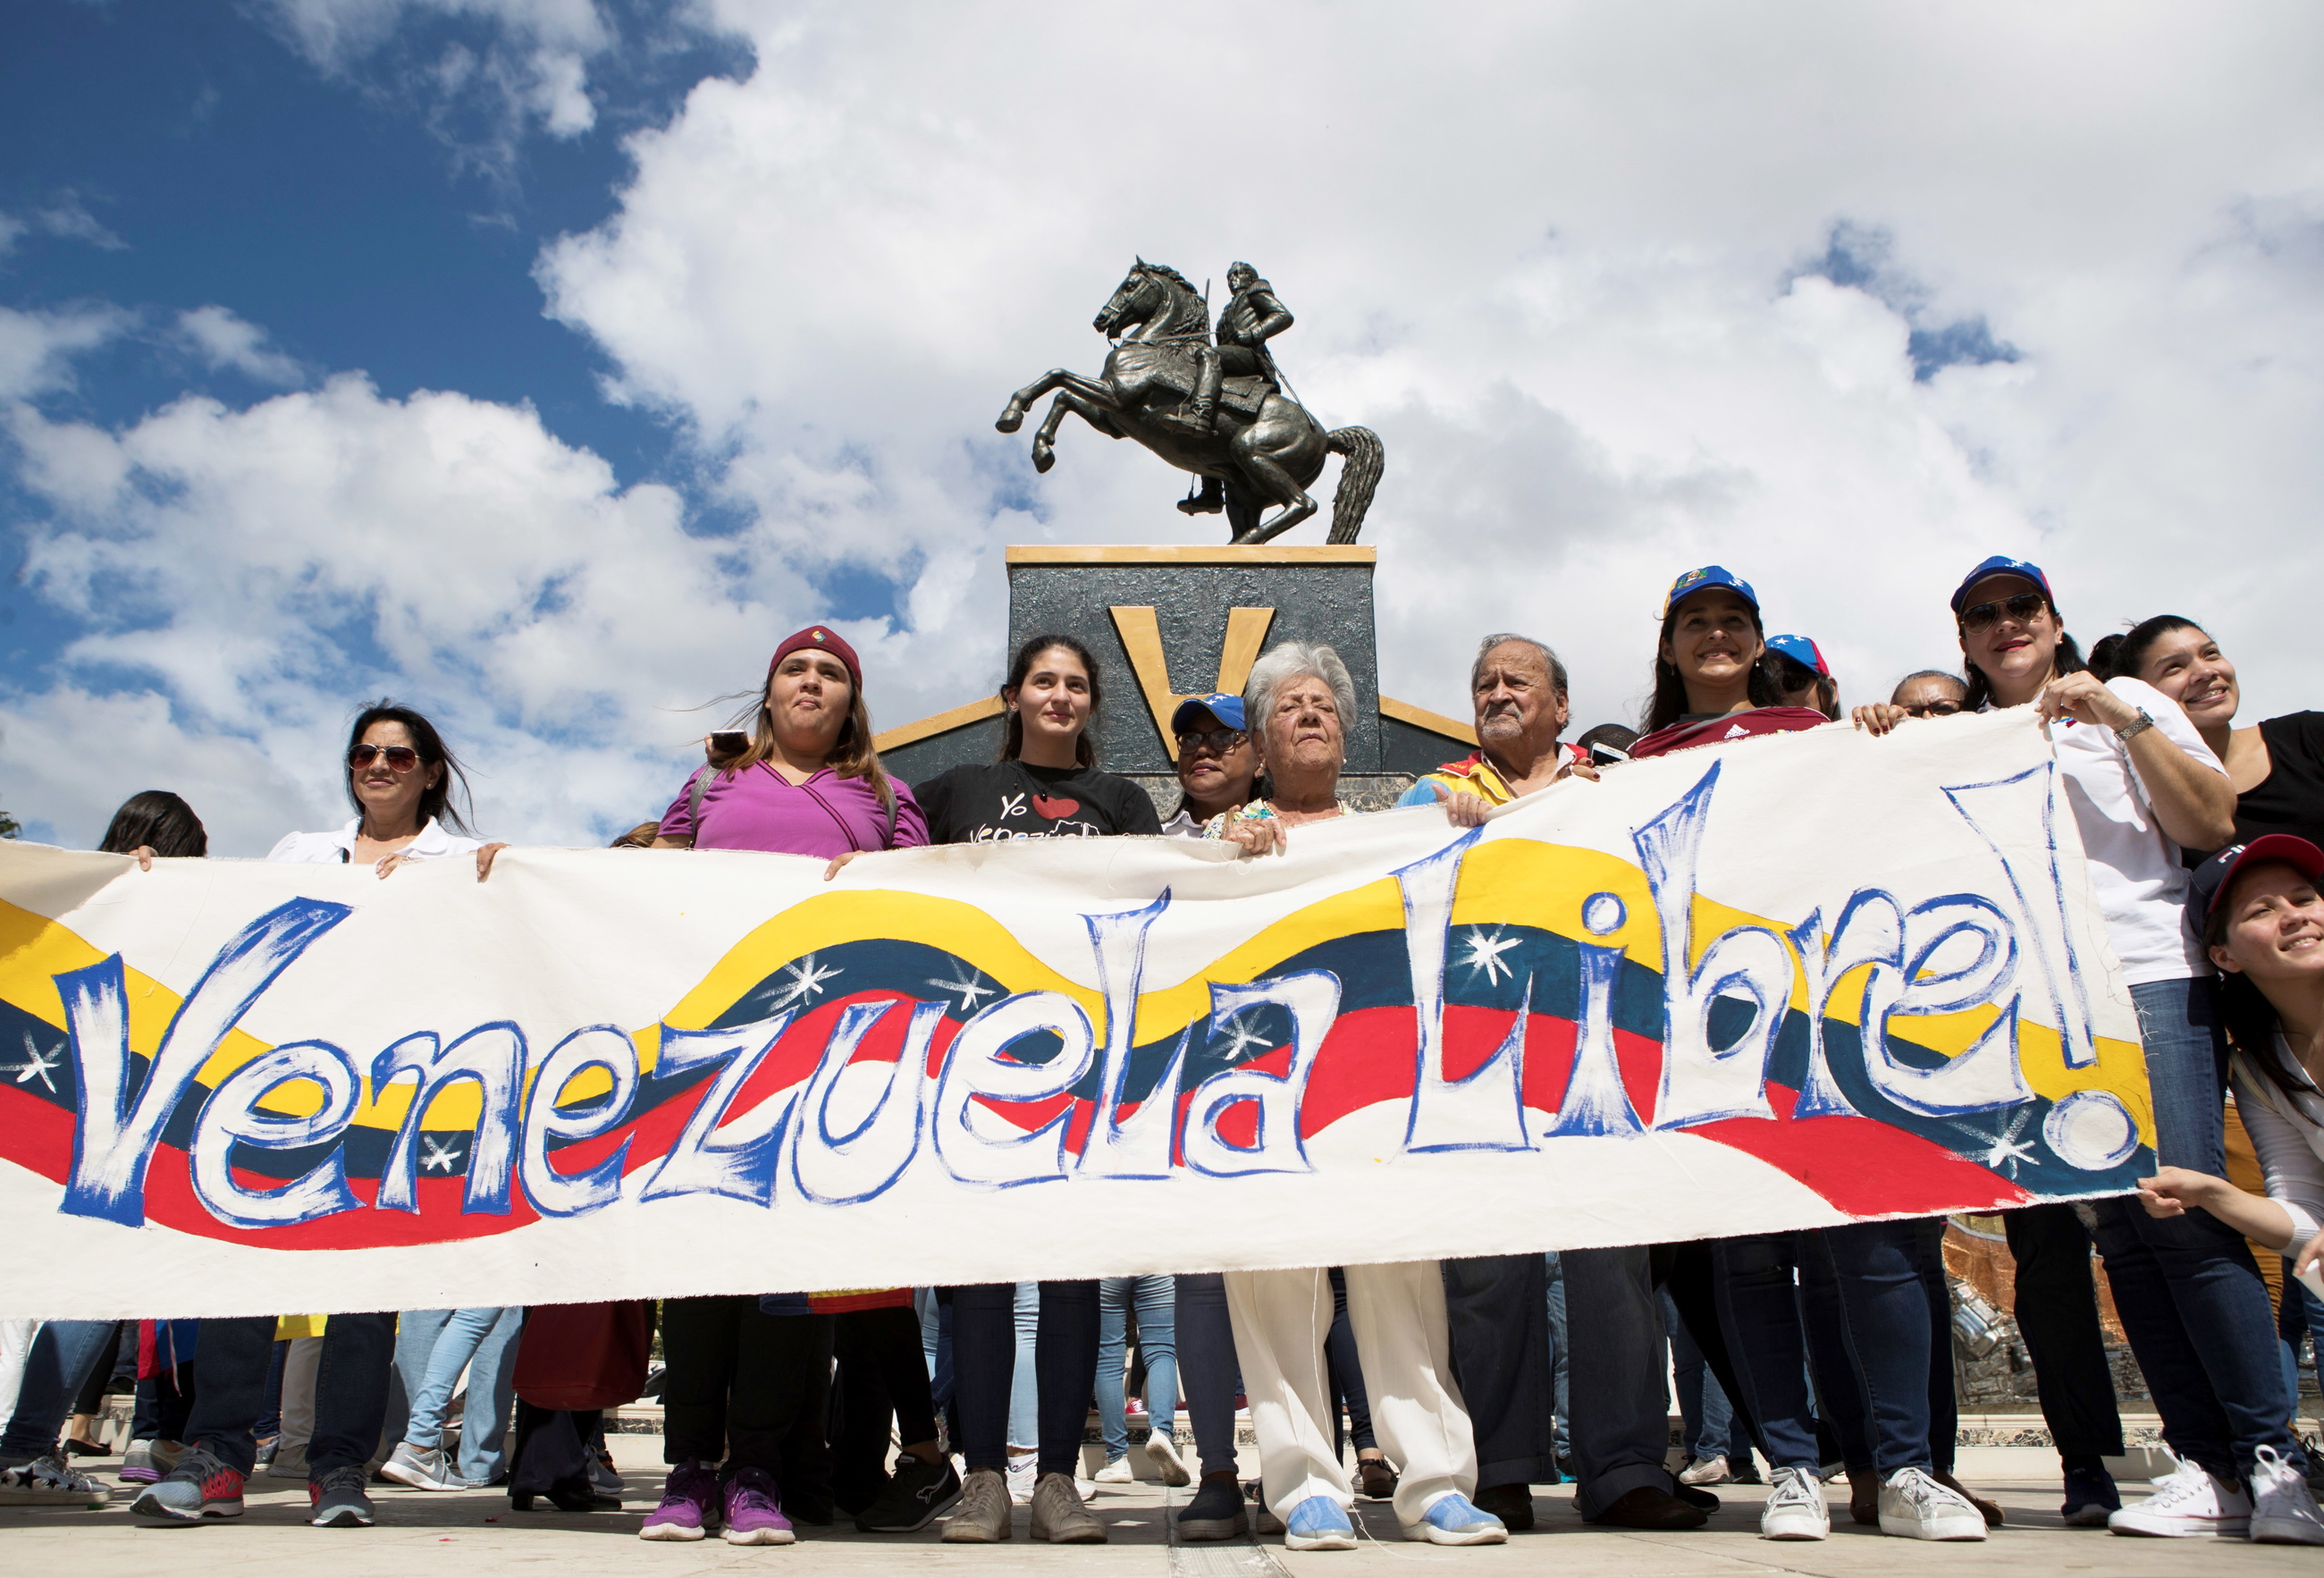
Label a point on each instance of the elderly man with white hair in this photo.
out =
(1296, 705)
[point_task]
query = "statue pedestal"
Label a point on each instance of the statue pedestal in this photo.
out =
(1170, 622)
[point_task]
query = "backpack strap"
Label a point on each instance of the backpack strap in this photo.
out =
(694, 793)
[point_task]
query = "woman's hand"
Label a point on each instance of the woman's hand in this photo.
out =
(484, 860)
(1259, 836)
(1584, 768)
(2083, 697)
(1462, 808)
(2310, 1253)
(838, 861)
(2175, 1191)
(144, 854)
(1877, 717)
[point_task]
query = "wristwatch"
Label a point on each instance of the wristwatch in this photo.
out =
(2135, 727)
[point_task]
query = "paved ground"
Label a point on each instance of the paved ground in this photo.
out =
(475, 1536)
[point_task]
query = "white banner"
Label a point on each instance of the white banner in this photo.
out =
(1621, 1012)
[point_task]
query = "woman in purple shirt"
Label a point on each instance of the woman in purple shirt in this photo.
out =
(745, 1385)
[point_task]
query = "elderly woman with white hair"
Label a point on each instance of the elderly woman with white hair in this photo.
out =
(1295, 703)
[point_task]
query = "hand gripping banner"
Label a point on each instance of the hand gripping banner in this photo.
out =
(1789, 982)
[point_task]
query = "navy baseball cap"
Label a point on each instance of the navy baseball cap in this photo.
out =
(2001, 564)
(2212, 877)
(1800, 651)
(1227, 709)
(1702, 580)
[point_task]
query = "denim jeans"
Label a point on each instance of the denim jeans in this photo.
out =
(1884, 1308)
(1559, 1349)
(1206, 1359)
(2191, 1297)
(1711, 1427)
(1065, 1358)
(2057, 1311)
(1024, 1383)
(1496, 1312)
(59, 1363)
(1621, 1404)
(432, 1347)
(1156, 1302)
(230, 1367)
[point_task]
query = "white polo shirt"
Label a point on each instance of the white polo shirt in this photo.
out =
(339, 848)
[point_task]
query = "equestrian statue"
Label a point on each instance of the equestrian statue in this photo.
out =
(1217, 408)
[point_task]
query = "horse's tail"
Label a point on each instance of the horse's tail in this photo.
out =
(1360, 475)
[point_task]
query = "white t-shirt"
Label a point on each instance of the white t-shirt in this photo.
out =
(337, 848)
(2284, 1131)
(2141, 886)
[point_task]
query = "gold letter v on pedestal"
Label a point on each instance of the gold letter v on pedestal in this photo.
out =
(1142, 638)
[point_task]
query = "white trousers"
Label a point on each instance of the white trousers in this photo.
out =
(1281, 1319)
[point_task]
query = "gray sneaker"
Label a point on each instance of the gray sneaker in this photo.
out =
(422, 1468)
(337, 1500)
(147, 1461)
(1059, 1517)
(50, 1481)
(2283, 1510)
(983, 1512)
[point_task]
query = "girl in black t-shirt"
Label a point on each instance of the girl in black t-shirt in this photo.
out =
(2276, 766)
(1046, 785)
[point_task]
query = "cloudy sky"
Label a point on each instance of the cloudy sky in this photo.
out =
(541, 362)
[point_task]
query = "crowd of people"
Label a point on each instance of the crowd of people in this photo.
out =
(1463, 1383)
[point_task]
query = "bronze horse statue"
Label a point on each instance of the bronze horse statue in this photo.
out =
(1263, 446)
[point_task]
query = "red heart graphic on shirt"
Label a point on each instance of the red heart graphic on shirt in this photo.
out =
(1055, 810)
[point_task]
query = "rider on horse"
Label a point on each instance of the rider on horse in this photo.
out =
(1251, 316)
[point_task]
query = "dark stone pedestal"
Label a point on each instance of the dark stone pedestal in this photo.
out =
(1167, 622)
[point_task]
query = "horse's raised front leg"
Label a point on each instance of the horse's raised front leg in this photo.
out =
(1069, 403)
(1013, 415)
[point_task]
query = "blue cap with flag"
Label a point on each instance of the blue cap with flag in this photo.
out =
(1703, 580)
(1226, 708)
(2001, 564)
(1800, 650)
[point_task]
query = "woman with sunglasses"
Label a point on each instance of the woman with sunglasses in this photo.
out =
(748, 1389)
(2276, 767)
(2144, 786)
(1711, 684)
(400, 778)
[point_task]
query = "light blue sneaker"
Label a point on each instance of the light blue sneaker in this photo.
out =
(1455, 1520)
(1320, 1524)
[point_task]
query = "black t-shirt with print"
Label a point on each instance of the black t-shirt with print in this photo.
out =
(1011, 800)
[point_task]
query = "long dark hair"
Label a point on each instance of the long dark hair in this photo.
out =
(157, 820)
(1669, 702)
(1012, 739)
(1789, 674)
(2129, 656)
(2068, 659)
(436, 799)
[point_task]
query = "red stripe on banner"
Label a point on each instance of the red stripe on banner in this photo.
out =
(1863, 1167)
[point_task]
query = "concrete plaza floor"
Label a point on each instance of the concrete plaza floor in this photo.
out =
(473, 1534)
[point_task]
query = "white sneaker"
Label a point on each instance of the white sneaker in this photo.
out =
(1914, 1506)
(1023, 1470)
(422, 1468)
(50, 1481)
(1794, 1508)
(1706, 1471)
(1164, 1452)
(2186, 1504)
(2283, 1510)
(1116, 1473)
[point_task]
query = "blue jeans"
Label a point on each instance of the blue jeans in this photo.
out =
(1711, 1425)
(1558, 1347)
(432, 1347)
(986, 1334)
(1024, 1383)
(56, 1368)
(230, 1366)
(1621, 1404)
(1157, 1301)
(1883, 1310)
(2191, 1297)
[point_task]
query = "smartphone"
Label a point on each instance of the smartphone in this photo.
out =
(1605, 755)
(728, 744)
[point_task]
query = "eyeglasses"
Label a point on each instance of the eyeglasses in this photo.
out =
(1933, 709)
(2021, 608)
(1218, 742)
(400, 758)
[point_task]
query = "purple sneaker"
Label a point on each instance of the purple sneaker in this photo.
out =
(689, 1505)
(753, 1518)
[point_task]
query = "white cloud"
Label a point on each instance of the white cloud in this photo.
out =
(225, 340)
(67, 218)
(37, 349)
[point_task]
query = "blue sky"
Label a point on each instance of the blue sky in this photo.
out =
(544, 361)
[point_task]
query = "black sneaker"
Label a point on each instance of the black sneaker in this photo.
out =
(1216, 1512)
(917, 1496)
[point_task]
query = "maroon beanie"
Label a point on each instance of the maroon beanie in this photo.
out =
(823, 639)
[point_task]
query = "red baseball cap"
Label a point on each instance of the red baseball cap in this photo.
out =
(822, 638)
(2212, 877)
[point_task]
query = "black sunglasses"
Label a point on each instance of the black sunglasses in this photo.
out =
(1933, 709)
(2021, 608)
(1219, 741)
(400, 758)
